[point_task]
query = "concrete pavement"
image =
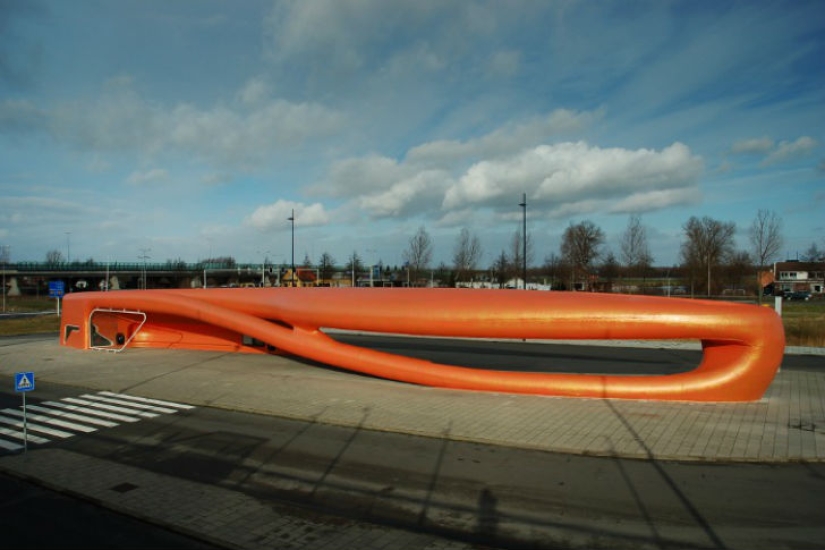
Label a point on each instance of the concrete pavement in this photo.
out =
(786, 425)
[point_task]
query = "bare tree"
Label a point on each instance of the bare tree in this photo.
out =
(466, 254)
(501, 269)
(609, 269)
(813, 254)
(766, 240)
(580, 247)
(54, 257)
(708, 242)
(326, 266)
(635, 251)
(739, 265)
(420, 252)
(554, 267)
(354, 266)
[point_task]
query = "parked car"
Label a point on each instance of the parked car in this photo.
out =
(798, 295)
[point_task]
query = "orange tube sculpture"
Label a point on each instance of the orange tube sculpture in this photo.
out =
(742, 345)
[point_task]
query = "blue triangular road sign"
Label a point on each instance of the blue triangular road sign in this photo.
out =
(23, 381)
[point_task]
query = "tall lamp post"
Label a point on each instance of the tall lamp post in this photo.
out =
(523, 205)
(144, 256)
(68, 247)
(263, 267)
(292, 220)
(4, 258)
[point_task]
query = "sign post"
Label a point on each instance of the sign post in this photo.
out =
(24, 382)
(56, 290)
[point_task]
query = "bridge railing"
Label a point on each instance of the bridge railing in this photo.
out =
(129, 266)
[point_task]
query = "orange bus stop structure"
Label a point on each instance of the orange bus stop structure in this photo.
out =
(742, 345)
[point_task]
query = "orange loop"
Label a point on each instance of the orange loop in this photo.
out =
(742, 345)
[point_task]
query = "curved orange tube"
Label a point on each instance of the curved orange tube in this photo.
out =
(742, 345)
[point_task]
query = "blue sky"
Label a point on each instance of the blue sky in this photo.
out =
(193, 129)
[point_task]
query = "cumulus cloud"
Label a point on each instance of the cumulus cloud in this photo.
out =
(578, 173)
(504, 141)
(358, 176)
(409, 196)
(441, 178)
(276, 215)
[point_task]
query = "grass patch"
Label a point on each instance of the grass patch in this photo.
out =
(30, 324)
(804, 321)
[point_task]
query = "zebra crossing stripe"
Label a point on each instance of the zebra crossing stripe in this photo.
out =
(81, 414)
(17, 434)
(36, 427)
(109, 407)
(152, 408)
(10, 446)
(71, 416)
(53, 421)
(102, 414)
(147, 400)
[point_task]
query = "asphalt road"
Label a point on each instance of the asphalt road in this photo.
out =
(337, 470)
(34, 517)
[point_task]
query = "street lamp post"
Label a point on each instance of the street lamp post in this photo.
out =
(263, 267)
(523, 205)
(292, 220)
(144, 256)
(68, 248)
(4, 257)
(371, 252)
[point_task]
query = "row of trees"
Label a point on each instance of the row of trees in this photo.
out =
(708, 246)
(708, 256)
(709, 259)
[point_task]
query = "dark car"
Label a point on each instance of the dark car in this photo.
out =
(798, 295)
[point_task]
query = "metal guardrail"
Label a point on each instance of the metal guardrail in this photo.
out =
(74, 267)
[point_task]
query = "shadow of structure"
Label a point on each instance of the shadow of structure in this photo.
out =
(693, 511)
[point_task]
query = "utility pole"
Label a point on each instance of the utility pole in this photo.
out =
(144, 256)
(5, 256)
(523, 205)
(292, 219)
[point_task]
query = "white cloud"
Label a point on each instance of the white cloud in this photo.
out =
(504, 63)
(503, 141)
(152, 176)
(354, 177)
(754, 145)
(439, 177)
(790, 150)
(277, 215)
(575, 172)
(647, 201)
(254, 92)
(408, 196)
(222, 136)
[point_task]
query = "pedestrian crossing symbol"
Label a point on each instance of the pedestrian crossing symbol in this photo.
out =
(23, 381)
